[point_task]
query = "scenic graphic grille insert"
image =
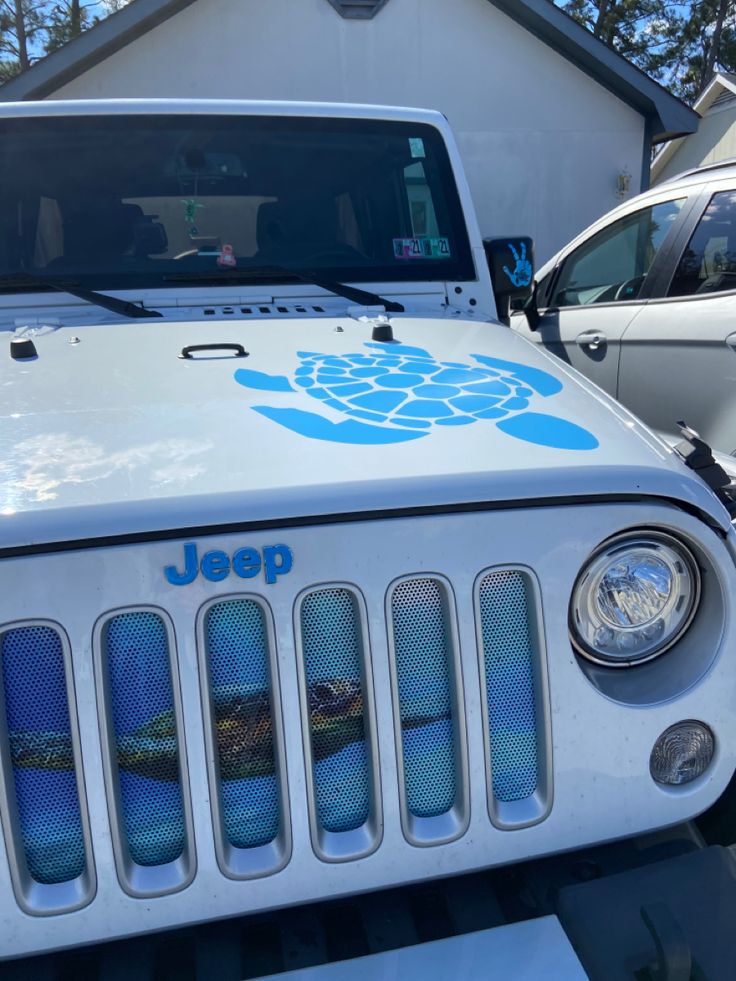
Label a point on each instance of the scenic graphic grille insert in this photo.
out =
(422, 651)
(509, 684)
(144, 727)
(39, 733)
(240, 695)
(333, 669)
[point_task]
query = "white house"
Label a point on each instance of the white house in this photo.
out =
(551, 123)
(715, 138)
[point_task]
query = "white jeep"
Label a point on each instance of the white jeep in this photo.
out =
(315, 579)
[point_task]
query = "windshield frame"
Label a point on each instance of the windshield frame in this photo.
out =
(460, 268)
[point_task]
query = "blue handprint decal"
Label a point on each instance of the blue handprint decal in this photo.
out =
(521, 275)
(395, 393)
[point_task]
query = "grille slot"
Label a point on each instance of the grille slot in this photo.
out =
(244, 733)
(509, 679)
(339, 717)
(44, 778)
(144, 748)
(422, 650)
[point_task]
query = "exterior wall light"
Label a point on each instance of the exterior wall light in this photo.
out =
(623, 184)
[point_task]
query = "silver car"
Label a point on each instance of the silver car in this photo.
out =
(643, 302)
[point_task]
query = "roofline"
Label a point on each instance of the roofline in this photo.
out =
(89, 49)
(669, 116)
(666, 115)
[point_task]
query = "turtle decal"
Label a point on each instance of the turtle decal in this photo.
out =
(394, 393)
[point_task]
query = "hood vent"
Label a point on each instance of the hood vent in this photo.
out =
(358, 9)
(260, 310)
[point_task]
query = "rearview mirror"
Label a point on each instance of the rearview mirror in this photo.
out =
(511, 264)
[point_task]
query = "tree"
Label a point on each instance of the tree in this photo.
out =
(66, 19)
(680, 44)
(631, 27)
(21, 23)
(31, 28)
(701, 44)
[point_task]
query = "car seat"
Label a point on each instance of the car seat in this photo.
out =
(298, 229)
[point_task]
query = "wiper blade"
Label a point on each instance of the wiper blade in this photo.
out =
(246, 274)
(124, 307)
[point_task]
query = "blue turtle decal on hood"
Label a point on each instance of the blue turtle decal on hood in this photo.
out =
(395, 393)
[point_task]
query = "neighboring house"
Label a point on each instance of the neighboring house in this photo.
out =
(554, 127)
(715, 138)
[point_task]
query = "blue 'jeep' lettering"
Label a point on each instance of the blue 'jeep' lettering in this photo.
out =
(217, 565)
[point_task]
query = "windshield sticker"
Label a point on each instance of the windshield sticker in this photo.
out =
(396, 393)
(227, 258)
(416, 145)
(422, 247)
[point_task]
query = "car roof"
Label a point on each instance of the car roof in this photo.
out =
(728, 165)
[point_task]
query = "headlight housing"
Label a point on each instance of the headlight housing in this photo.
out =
(633, 599)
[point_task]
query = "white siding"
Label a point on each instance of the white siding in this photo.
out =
(542, 142)
(715, 140)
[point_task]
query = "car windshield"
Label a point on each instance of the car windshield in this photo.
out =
(134, 200)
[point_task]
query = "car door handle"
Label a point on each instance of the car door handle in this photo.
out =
(731, 341)
(592, 339)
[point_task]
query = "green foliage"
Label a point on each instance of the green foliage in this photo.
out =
(31, 28)
(8, 69)
(21, 23)
(66, 20)
(679, 44)
(701, 44)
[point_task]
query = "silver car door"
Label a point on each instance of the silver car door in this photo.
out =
(595, 292)
(678, 359)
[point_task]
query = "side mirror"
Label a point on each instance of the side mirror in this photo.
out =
(511, 264)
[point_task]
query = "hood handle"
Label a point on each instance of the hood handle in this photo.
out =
(186, 352)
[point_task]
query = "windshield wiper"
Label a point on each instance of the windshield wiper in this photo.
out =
(22, 280)
(246, 274)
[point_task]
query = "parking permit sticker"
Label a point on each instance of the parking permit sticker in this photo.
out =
(416, 145)
(422, 247)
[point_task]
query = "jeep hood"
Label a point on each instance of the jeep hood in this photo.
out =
(111, 432)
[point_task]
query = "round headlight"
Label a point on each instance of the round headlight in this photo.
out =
(633, 599)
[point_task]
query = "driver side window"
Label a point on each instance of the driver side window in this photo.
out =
(612, 265)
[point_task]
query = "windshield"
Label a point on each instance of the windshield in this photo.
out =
(136, 200)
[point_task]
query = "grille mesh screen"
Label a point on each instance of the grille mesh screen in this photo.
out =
(145, 737)
(507, 652)
(241, 710)
(41, 750)
(332, 662)
(423, 673)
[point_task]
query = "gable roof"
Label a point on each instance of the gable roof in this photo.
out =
(666, 115)
(721, 84)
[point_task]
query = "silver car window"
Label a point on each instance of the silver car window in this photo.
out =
(612, 265)
(708, 264)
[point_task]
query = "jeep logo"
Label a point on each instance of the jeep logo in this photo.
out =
(215, 566)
